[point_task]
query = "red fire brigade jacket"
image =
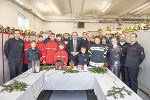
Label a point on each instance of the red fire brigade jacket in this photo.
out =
(49, 50)
(27, 45)
(61, 54)
(40, 46)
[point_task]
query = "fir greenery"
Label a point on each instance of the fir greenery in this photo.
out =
(16, 85)
(98, 70)
(46, 68)
(71, 71)
(116, 92)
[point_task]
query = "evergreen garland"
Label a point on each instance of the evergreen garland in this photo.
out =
(46, 68)
(16, 85)
(98, 70)
(116, 92)
(71, 71)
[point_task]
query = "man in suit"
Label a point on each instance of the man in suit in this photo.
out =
(73, 48)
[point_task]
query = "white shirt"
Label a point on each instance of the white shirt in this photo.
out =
(122, 43)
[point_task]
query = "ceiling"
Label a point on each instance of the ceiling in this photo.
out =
(91, 9)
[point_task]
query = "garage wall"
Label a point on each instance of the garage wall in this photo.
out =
(62, 27)
(9, 16)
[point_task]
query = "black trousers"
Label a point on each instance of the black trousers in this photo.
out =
(74, 59)
(131, 75)
(122, 70)
(25, 67)
(15, 67)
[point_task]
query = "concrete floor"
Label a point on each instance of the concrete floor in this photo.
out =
(45, 95)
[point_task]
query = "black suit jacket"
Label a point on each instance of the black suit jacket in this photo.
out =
(70, 46)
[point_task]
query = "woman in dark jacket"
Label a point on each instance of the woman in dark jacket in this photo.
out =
(114, 57)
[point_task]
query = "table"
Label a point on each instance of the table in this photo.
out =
(56, 80)
(35, 82)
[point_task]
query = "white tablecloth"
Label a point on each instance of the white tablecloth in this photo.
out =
(104, 82)
(35, 82)
(56, 80)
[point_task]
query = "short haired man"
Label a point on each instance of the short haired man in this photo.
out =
(123, 44)
(13, 50)
(73, 48)
(27, 45)
(84, 41)
(134, 57)
(49, 50)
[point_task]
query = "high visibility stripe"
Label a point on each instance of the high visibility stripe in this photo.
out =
(89, 51)
(96, 64)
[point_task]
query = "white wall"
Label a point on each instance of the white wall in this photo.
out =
(9, 16)
(62, 27)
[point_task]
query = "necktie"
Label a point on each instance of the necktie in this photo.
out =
(74, 46)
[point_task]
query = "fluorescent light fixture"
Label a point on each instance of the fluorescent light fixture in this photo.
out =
(20, 2)
(142, 10)
(140, 7)
(40, 16)
(55, 9)
(106, 7)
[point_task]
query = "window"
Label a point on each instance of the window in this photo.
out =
(23, 21)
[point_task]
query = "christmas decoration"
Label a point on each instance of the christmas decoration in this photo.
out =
(16, 85)
(116, 92)
(71, 71)
(98, 70)
(46, 68)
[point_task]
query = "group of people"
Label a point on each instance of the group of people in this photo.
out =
(118, 56)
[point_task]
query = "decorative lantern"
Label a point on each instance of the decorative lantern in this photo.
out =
(35, 66)
(59, 64)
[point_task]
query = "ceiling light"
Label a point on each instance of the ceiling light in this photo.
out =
(20, 2)
(142, 10)
(55, 9)
(106, 7)
(40, 16)
(140, 7)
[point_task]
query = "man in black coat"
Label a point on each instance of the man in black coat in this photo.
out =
(134, 57)
(73, 48)
(13, 50)
(84, 41)
(123, 44)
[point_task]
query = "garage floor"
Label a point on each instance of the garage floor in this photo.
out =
(77, 95)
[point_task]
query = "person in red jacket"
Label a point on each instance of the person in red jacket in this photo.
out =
(61, 54)
(58, 40)
(49, 50)
(27, 45)
(40, 46)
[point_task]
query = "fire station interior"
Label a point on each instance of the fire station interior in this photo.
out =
(34, 17)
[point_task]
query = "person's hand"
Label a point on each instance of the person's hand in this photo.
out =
(73, 53)
(44, 62)
(76, 53)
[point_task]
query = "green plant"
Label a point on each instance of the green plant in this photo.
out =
(71, 71)
(98, 70)
(116, 92)
(46, 68)
(16, 85)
